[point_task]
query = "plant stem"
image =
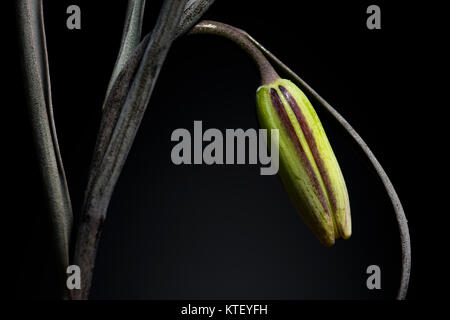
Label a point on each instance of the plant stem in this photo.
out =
(37, 81)
(402, 222)
(255, 50)
(268, 74)
(193, 11)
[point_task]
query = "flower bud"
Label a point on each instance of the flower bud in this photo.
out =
(308, 167)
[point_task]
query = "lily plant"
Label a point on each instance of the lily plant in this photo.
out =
(309, 168)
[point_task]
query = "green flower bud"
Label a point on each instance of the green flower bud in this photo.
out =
(308, 167)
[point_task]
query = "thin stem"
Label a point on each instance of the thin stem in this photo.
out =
(192, 12)
(268, 74)
(37, 80)
(402, 222)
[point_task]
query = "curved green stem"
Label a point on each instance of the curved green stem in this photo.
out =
(402, 222)
(256, 51)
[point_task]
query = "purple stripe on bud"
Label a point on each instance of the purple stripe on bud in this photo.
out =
(309, 136)
(278, 104)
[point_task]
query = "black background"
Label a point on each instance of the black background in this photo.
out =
(225, 232)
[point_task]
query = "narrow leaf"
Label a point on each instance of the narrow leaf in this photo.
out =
(131, 37)
(121, 138)
(37, 80)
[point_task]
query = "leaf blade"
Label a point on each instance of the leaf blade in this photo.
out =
(37, 81)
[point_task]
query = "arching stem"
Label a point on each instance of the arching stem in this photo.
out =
(267, 72)
(402, 222)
